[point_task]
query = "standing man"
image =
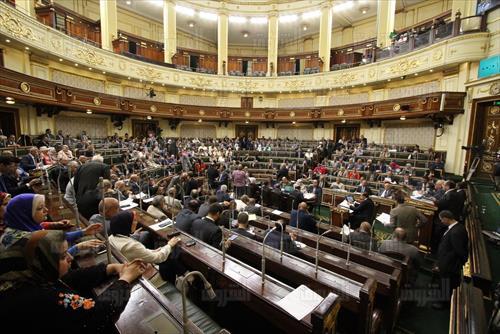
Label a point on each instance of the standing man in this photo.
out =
(407, 217)
(452, 253)
(87, 185)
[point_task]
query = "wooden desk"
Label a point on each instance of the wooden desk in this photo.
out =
(247, 281)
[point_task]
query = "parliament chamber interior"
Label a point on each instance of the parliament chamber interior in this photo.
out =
(272, 166)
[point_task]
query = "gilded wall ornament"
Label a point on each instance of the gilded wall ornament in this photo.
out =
(25, 87)
(404, 66)
(345, 79)
(148, 73)
(89, 56)
(97, 101)
(340, 112)
(15, 27)
(495, 88)
(396, 107)
(153, 108)
(437, 55)
(200, 82)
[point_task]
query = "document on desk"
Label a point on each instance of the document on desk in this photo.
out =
(141, 195)
(309, 196)
(161, 225)
(300, 302)
(277, 212)
(384, 218)
(148, 200)
(345, 205)
(129, 206)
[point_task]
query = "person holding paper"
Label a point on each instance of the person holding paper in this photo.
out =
(407, 217)
(363, 211)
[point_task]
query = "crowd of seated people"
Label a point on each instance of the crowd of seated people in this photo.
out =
(232, 192)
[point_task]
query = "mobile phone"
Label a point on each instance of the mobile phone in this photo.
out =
(190, 243)
(232, 237)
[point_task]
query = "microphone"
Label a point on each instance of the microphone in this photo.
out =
(349, 248)
(223, 245)
(208, 288)
(317, 252)
(263, 261)
(108, 250)
(281, 241)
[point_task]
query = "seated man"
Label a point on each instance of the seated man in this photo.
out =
(363, 211)
(386, 192)
(203, 209)
(171, 201)
(363, 186)
(243, 226)
(362, 238)
(133, 184)
(252, 208)
(222, 195)
(274, 239)
(398, 244)
(337, 184)
(206, 228)
(285, 185)
(111, 207)
(302, 219)
(185, 218)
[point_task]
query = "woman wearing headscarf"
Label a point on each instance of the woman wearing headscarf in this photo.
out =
(27, 213)
(122, 226)
(52, 295)
(4, 200)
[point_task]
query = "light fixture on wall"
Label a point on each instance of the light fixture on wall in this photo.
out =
(294, 122)
(304, 27)
(246, 122)
(149, 117)
(402, 118)
(10, 100)
(200, 120)
(245, 34)
(343, 121)
(128, 2)
(364, 10)
(191, 24)
(89, 111)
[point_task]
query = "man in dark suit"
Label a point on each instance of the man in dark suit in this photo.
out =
(203, 210)
(386, 192)
(251, 208)
(30, 161)
(185, 218)
(282, 172)
(274, 239)
(363, 211)
(86, 185)
(317, 191)
(223, 177)
(452, 253)
(362, 236)
(451, 200)
(243, 226)
(9, 182)
(206, 228)
(212, 175)
(302, 219)
(298, 196)
(222, 194)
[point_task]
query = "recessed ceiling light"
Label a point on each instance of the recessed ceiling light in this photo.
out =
(402, 118)
(388, 79)
(149, 117)
(27, 47)
(246, 122)
(191, 24)
(60, 59)
(9, 100)
(128, 78)
(245, 34)
(76, 64)
(431, 70)
(343, 121)
(90, 68)
(89, 111)
(364, 10)
(128, 2)
(415, 74)
(304, 27)
(7, 40)
(293, 122)
(103, 72)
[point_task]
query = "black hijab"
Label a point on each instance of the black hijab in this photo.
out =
(121, 223)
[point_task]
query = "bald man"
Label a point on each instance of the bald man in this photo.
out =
(302, 219)
(398, 244)
(111, 207)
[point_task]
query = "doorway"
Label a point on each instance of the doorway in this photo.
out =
(9, 122)
(346, 132)
(194, 61)
(485, 133)
(247, 131)
(141, 128)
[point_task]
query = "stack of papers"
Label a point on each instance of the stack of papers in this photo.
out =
(148, 200)
(384, 218)
(129, 206)
(161, 225)
(300, 302)
(141, 195)
(309, 196)
(345, 205)
(277, 212)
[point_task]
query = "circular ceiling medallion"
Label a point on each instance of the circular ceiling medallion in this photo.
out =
(396, 107)
(25, 87)
(97, 101)
(153, 108)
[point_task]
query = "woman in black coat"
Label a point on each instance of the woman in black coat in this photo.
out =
(40, 294)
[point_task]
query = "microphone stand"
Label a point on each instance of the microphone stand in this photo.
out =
(317, 252)
(48, 182)
(263, 261)
(75, 206)
(281, 241)
(61, 206)
(103, 214)
(349, 247)
(223, 245)
(371, 237)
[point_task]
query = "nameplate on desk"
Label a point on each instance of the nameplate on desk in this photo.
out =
(276, 212)
(161, 225)
(300, 302)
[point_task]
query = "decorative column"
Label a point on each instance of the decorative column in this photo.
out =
(465, 7)
(386, 13)
(109, 23)
(272, 44)
(26, 6)
(325, 35)
(222, 44)
(169, 30)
